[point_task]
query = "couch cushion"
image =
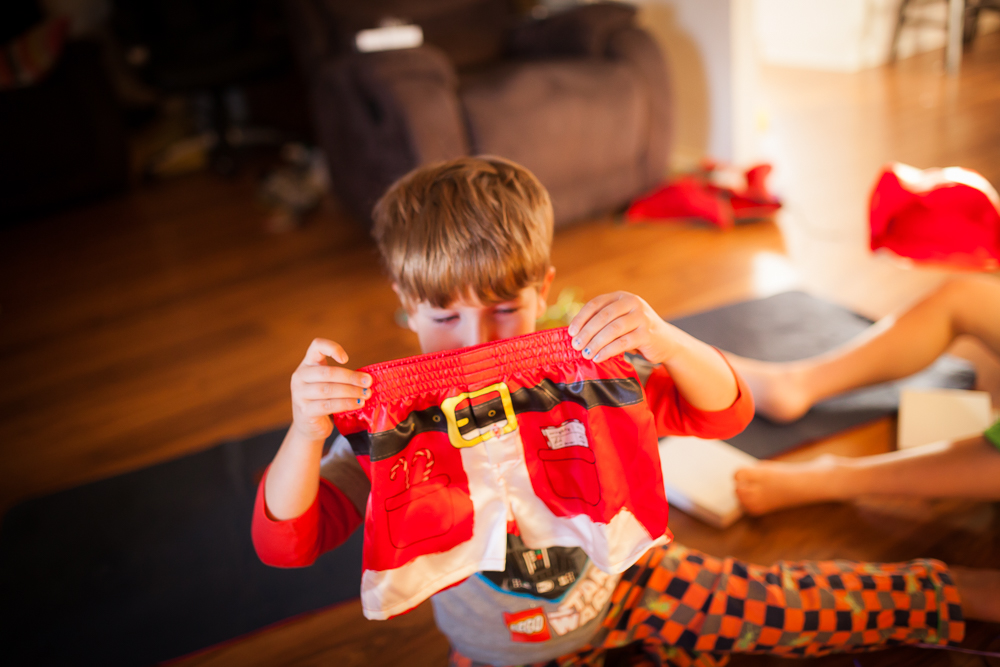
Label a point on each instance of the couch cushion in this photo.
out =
(564, 120)
(596, 194)
(581, 31)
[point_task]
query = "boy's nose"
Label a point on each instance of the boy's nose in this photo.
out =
(481, 330)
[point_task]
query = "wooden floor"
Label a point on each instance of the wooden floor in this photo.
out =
(156, 324)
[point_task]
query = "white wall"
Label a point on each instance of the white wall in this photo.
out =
(714, 49)
(846, 35)
(710, 50)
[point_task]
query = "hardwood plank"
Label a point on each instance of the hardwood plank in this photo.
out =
(340, 636)
(156, 324)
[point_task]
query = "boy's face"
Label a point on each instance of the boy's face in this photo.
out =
(468, 321)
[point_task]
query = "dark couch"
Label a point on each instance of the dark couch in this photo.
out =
(63, 138)
(581, 98)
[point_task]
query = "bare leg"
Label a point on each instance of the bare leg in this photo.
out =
(896, 346)
(964, 469)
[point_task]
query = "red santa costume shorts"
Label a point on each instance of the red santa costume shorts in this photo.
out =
(523, 433)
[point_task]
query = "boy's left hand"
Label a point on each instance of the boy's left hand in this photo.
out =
(619, 322)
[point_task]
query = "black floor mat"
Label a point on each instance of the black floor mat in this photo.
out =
(795, 325)
(152, 565)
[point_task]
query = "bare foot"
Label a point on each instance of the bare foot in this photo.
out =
(770, 486)
(778, 388)
(980, 592)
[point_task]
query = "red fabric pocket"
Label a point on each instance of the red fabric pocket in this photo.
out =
(572, 473)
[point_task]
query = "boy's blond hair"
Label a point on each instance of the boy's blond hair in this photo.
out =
(477, 226)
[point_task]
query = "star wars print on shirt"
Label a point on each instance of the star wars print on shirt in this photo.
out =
(543, 573)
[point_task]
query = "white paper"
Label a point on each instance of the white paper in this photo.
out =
(698, 476)
(932, 415)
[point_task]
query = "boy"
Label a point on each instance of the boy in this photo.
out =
(466, 244)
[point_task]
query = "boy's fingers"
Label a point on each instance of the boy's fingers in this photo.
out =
(321, 348)
(605, 343)
(588, 311)
(335, 374)
(614, 348)
(320, 390)
(606, 322)
(331, 406)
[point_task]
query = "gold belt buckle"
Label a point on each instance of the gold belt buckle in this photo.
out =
(448, 407)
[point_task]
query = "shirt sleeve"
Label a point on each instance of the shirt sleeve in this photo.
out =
(341, 468)
(675, 416)
(297, 542)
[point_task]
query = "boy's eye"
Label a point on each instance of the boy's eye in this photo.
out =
(508, 310)
(445, 319)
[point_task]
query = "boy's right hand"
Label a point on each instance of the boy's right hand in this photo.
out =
(320, 389)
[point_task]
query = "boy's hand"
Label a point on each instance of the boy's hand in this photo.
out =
(619, 322)
(320, 389)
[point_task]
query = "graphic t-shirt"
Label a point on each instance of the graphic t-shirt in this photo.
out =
(546, 602)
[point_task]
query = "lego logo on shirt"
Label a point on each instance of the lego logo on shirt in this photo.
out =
(528, 625)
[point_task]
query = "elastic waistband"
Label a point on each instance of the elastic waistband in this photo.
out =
(395, 380)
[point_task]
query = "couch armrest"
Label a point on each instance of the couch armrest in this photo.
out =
(581, 31)
(381, 114)
(638, 48)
